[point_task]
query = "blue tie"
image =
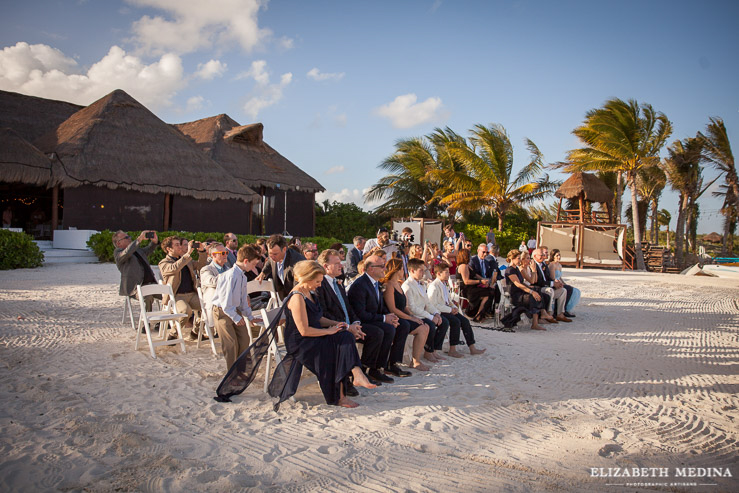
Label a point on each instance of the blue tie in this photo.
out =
(377, 291)
(482, 267)
(341, 301)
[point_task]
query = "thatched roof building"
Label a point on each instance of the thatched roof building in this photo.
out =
(21, 162)
(242, 151)
(587, 185)
(117, 142)
(31, 117)
(713, 238)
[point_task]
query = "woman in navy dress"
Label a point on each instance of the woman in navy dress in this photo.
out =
(521, 294)
(330, 353)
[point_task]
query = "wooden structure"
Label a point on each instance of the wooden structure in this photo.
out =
(585, 239)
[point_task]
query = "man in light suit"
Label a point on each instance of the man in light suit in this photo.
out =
(353, 257)
(420, 306)
(209, 275)
(280, 265)
(438, 292)
(133, 262)
(366, 300)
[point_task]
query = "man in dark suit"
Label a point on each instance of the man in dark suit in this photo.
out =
(552, 287)
(484, 267)
(366, 300)
(231, 242)
(280, 265)
(133, 262)
(353, 257)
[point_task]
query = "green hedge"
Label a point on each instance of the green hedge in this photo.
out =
(18, 251)
(102, 245)
(508, 239)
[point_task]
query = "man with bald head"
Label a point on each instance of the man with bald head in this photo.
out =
(366, 300)
(553, 287)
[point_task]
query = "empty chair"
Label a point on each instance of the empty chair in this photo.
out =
(166, 317)
(206, 322)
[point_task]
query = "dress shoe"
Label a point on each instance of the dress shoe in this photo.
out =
(378, 375)
(562, 318)
(350, 390)
(569, 315)
(395, 371)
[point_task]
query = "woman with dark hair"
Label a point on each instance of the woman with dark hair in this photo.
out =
(555, 270)
(523, 295)
(395, 301)
(480, 296)
(339, 247)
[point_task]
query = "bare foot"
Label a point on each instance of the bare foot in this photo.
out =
(537, 327)
(420, 366)
(347, 402)
(430, 357)
(360, 380)
(474, 350)
(455, 354)
(439, 357)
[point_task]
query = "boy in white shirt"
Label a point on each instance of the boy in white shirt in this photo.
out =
(438, 293)
(420, 306)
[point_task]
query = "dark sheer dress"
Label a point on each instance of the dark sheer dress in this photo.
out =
(400, 303)
(330, 357)
(519, 297)
(475, 294)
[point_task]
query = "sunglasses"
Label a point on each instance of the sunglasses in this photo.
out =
(219, 253)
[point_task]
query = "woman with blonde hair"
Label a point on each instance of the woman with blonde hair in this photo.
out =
(329, 352)
(395, 301)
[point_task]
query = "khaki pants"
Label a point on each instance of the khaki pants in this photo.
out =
(556, 296)
(187, 303)
(234, 338)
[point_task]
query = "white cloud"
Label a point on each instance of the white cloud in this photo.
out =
(285, 43)
(340, 120)
(264, 93)
(435, 6)
(404, 112)
(211, 69)
(195, 103)
(345, 195)
(335, 169)
(41, 70)
(192, 25)
(316, 74)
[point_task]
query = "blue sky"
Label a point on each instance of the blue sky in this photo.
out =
(336, 83)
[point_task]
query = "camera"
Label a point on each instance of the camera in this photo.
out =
(149, 235)
(403, 237)
(196, 244)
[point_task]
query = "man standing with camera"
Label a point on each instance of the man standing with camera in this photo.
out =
(133, 262)
(178, 270)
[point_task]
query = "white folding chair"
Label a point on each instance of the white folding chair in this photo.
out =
(276, 350)
(127, 307)
(262, 286)
(206, 321)
(167, 317)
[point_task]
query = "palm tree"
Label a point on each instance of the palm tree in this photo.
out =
(650, 182)
(663, 219)
(484, 179)
(623, 137)
(717, 150)
(407, 189)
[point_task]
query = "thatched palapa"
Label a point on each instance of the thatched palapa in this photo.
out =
(32, 117)
(117, 143)
(21, 162)
(242, 151)
(587, 185)
(713, 238)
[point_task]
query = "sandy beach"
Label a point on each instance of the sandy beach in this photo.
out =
(645, 377)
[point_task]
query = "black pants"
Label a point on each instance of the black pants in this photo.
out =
(568, 288)
(435, 340)
(377, 344)
(459, 323)
(398, 347)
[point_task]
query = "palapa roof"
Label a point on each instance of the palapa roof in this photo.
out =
(117, 142)
(587, 184)
(32, 117)
(242, 151)
(713, 238)
(21, 162)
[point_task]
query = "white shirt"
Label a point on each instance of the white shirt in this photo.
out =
(231, 294)
(531, 243)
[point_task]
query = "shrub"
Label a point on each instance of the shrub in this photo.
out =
(18, 251)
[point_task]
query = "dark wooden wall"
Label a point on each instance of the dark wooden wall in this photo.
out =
(90, 207)
(300, 212)
(223, 216)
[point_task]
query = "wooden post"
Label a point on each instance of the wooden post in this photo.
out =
(559, 208)
(580, 241)
(54, 210)
(582, 208)
(167, 205)
(422, 231)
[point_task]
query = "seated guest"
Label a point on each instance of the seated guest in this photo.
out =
(353, 257)
(366, 301)
(209, 276)
(478, 292)
(420, 253)
(555, 272)
(553, 287)
(521, 294)
(420, 306)
(231, 306)
(449, 257)
(483, 266)
(528, 270)
(231, 242)
(309, 250)
(330, 353)
(339, 247)
(133, 263)
(396, 303)
(336, 309)
(382, 241)
(279, 268)
(178, 270)
(438, 292)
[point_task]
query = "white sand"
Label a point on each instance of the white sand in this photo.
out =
(646, 376)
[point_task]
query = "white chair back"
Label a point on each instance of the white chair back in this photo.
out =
(166, 316)
(262, 286)
(206, 322)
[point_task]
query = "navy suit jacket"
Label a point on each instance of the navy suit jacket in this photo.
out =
(544, 281)
(330, 302)
(363, 298)
(352, 259)
(491, 266)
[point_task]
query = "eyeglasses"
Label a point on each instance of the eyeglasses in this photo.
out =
(219, 253)
(375, 265)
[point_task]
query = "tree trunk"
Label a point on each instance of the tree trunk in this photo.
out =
(655, 230)
(668, 236)
(680, 230)
(500, 221)
(619, 192)
(631, 180)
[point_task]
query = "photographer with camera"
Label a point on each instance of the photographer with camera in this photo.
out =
(405, 239)
(178, 270)
(382, 241)
(133, 262)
